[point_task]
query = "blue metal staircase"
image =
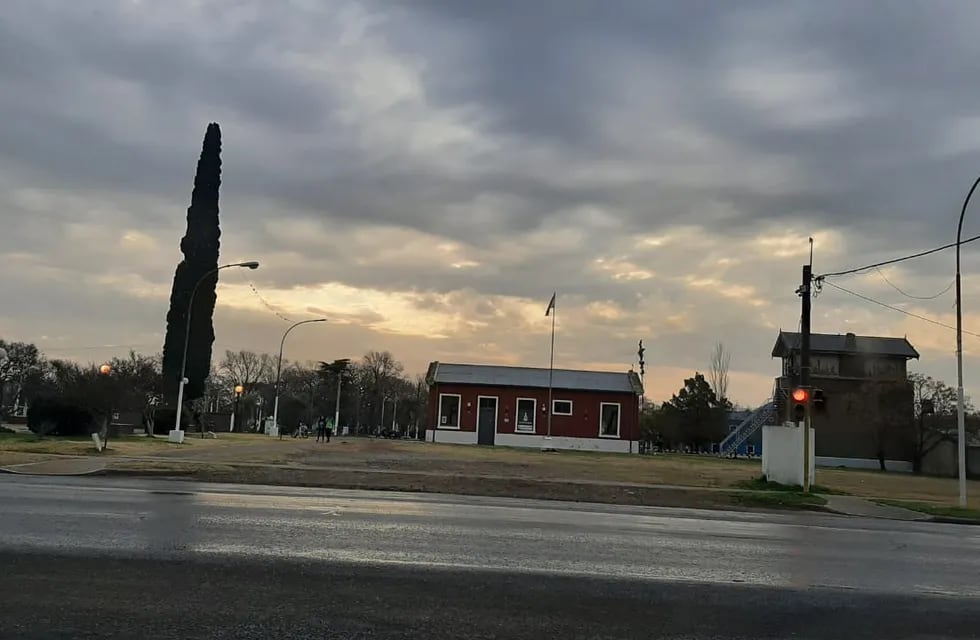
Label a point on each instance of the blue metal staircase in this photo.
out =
(764, 414)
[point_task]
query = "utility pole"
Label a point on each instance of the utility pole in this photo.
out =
(804, 293)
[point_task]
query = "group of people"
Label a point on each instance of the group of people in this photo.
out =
(324, 430)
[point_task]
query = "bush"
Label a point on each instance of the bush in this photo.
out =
(57, 416)
(165, 419)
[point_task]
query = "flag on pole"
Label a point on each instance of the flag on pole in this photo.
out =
(551, 305)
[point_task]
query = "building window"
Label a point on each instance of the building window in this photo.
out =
(449, 410)
(609, 420)
(525, 419)
(561, 408)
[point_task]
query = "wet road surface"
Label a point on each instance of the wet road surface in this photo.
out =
(147, 558)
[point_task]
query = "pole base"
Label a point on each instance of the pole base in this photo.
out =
(176, 436)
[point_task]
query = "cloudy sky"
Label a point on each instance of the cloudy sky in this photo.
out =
(425, 173)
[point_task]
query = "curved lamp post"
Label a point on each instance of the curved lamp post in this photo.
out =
(960, 411)
(282, 343)
(176, 435)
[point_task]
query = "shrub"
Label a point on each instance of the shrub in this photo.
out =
(165, 418)
(57, 416)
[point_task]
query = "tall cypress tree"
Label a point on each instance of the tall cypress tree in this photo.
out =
(200, 248)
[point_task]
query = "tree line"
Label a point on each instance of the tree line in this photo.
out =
(64, 397)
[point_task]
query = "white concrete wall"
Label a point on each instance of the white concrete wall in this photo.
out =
(611, 445)
(782, 455)
(451, 436)
(865, 463)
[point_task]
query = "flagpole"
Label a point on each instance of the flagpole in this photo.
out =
(551, 366)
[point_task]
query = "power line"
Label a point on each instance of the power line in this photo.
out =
(265, 303)
(909, 295)
(908, 313)
(893, 261)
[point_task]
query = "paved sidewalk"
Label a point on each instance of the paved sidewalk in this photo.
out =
(854, 506)
(61, 467)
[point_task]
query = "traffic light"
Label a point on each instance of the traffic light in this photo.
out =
(819, 400)
(800, 397)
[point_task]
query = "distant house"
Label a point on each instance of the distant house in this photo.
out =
(496, 405)
(752, 446)
(869, 401)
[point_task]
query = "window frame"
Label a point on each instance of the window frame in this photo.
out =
(571, 408)
(459, 411)
(619, 419)
(534, 415)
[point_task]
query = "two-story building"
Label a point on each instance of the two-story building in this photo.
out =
(869, 401)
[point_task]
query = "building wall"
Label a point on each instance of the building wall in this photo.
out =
(943, 460)
(583, 423)
(846, 428)
(858, 366)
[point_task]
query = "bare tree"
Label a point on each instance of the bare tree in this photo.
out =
(23, 359)
(721, 359)
(380, 368)
(246, 367)
(934, 410)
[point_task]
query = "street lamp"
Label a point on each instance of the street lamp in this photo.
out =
(339, 367)
(960, 409)
(239, 390)
(176, 435)
(282, 343)
(103, 403)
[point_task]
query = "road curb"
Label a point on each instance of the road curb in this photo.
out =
(951, 520)
(34, 469)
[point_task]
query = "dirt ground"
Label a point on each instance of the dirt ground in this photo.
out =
(122, 446)
(420, 466)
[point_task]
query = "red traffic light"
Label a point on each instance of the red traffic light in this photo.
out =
(800, 395)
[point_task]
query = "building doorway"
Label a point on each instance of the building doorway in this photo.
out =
(486, 419)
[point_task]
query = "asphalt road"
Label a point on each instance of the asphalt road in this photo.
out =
(101, 558)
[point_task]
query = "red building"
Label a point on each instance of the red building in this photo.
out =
(484, 404)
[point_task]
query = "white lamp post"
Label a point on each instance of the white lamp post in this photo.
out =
(282, 343)
(176, 435)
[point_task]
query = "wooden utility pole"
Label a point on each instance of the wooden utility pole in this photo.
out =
(804, 292)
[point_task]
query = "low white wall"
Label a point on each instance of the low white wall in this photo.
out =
(782, 455)
(556, 442)
(450, 436)
(864, 463)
